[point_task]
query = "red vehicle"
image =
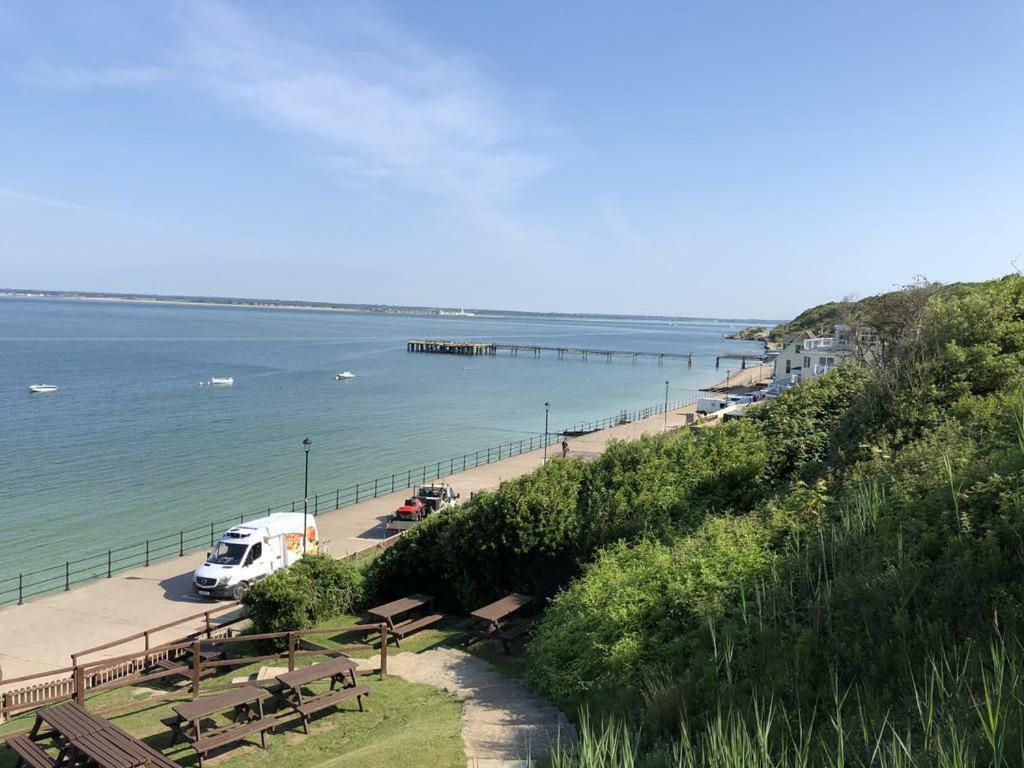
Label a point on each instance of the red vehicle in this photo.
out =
(413, 510)
(428, 499)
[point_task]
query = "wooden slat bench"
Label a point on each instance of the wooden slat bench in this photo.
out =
(183, 667)
(314, 704)
(403, 628)
(510, 635)
(29, 753)
(231, 734)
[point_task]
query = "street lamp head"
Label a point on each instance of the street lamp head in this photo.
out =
(547, 405)
(306, 443)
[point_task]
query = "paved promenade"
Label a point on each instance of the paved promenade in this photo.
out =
(42, 634)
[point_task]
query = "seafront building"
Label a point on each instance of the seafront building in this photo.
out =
(804, 355)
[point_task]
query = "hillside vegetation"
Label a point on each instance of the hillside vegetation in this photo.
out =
(835, 580)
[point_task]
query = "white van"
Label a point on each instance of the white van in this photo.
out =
(248, 552)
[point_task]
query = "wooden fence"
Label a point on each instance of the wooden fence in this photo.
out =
(90, 678)
(59, 684)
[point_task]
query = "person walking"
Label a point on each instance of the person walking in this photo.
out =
(565, 448)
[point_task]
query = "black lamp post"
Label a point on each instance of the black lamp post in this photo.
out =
(666, 407)
(546, 407)
(305, 497)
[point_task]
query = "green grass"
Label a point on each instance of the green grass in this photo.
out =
(405, 724)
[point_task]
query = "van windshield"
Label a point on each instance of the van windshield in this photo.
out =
(227, 554)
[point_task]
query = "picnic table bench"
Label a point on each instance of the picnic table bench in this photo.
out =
(31, 754)
(390, 611)
(247, 705)
(182, 667)
(113, 748)
(67, 721)
(490, 620)
(82, 737)
(334, 670)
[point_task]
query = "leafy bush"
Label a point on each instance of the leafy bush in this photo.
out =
(282, 602)
(631, 611)
(316, 588)
(337, 585)
(493, 544)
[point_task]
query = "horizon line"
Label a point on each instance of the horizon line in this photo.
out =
(299, 304)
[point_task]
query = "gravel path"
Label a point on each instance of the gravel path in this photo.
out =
(503, 722)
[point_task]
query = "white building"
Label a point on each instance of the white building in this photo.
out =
(805, 356)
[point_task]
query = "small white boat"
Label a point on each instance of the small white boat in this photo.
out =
(216, 382)
(40, 389)
(345, 375)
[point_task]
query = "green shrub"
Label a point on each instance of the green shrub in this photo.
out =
(490, 545)
(316, 588)
(629, 614)
(282, 602)
(337, 586)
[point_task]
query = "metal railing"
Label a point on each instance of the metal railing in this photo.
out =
(104, 564)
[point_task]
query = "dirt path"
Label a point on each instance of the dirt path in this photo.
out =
(504, 723)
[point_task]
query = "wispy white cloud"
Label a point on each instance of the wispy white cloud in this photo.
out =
(67, 205)
(48, 201)
(85, 78)
(382, 106)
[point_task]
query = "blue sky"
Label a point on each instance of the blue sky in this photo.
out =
(722, 159)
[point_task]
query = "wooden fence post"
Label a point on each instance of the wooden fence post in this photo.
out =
(208, 628)
(383, 651)
(291, 651)
(78, 677)
(196, 662)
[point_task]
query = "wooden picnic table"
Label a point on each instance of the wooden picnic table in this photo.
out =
(247, 703)
(85, 739)
(489, 621)
(496, 612)
(389, 611)
(334, 670)
(113, 748)
(68, 721)
(191, 713)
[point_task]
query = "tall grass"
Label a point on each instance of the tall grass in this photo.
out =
(967, 712)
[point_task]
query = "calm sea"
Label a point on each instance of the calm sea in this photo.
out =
(132, 447)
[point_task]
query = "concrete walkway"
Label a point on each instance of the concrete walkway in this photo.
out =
(42, 634)
(504, 723)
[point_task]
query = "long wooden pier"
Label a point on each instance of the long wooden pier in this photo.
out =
(453, 347)
(447, 347)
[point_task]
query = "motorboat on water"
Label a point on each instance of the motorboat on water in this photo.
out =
(41, 389)
(345, 375)
(221, 382)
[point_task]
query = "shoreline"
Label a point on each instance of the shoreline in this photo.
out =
(376, 309)
(148, 596)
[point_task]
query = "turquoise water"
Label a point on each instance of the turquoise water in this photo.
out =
(131, 447)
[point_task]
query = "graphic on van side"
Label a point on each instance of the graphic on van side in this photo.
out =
(293, 542)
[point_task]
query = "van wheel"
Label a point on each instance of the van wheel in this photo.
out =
(239, 590)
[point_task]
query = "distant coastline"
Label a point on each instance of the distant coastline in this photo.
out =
(324, 306)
